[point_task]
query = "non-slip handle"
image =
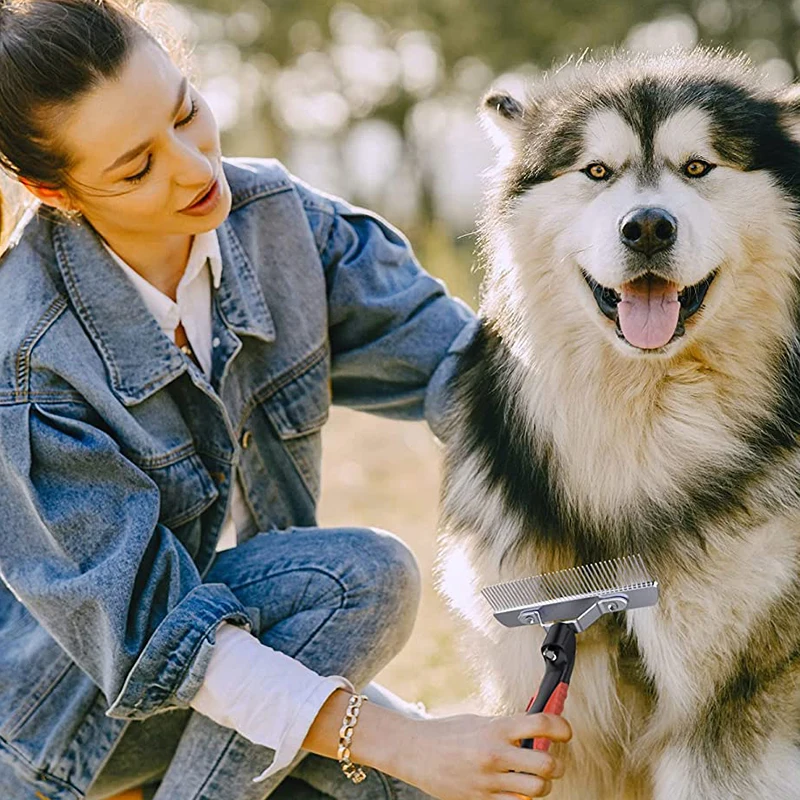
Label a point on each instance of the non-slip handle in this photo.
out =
(553, 705)
(558, 650)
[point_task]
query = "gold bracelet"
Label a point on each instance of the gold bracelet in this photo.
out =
(352, 771)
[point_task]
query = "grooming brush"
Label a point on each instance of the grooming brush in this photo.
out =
(566, 603)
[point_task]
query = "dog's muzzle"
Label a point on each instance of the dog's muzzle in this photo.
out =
(649, 312)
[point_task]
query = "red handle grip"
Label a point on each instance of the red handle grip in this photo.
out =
(555, 705)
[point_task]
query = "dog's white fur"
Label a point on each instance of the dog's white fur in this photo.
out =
(627, 426)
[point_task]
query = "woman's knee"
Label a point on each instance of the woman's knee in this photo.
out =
(358, 587)
(387, 572)
(382, 581)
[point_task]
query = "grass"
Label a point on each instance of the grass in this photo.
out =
(386, 474)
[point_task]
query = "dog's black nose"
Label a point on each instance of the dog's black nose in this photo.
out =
(648, 230)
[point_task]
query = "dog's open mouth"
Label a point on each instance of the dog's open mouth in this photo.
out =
(650, 312)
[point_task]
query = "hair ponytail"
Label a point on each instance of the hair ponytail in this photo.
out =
(51, 53)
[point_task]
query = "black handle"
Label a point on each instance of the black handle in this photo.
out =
(558, 651)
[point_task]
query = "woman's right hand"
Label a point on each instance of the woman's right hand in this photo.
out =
(451, 758)
(479, 758)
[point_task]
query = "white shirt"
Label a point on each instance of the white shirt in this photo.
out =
(264, 695)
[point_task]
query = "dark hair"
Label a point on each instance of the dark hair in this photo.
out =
(51, 53)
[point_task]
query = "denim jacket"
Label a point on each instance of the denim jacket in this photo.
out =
(117, 456)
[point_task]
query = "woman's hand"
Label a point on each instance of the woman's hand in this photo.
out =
(479, 758)
(452, 758)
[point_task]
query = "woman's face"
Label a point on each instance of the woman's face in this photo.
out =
(146, 153)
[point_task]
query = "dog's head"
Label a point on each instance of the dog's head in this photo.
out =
(654, 197)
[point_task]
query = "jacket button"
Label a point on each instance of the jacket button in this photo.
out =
(247, 437)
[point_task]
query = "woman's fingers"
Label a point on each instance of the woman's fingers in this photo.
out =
(526, 785)
(532, 726)
(533, 762)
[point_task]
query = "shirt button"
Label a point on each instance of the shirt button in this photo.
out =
(247, 437)
(215, 341)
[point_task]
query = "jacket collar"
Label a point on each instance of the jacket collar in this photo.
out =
(139, 358)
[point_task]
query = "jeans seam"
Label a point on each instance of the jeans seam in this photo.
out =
(329, 617)
(316, 631)
(387, 786)
(199, 795)
(335, 578)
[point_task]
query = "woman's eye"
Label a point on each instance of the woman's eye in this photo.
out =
(140, 175)
(597, 172)
(189, 117)
(696, 168)
(179, 124)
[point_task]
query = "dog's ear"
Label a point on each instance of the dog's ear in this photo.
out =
(789, 103)
(502, 116)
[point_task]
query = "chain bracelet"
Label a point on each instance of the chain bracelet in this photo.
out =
(354, 772)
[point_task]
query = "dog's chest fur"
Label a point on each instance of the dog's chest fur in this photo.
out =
(670, 478)
(637, 689)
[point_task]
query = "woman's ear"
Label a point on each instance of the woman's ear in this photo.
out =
(502, 116)
(55, 198)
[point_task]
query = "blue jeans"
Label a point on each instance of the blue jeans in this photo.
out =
(343, 602)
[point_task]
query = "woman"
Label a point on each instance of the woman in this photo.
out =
(172, 331)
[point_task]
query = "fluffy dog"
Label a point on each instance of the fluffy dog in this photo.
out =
(635, 388)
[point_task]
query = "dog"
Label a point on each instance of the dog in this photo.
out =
(634, 388)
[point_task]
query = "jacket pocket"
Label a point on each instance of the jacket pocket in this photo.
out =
(184, 484)
(296, 412)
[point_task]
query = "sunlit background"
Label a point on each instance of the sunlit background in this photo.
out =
(375, 100)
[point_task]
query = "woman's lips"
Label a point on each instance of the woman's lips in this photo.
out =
(207, 203)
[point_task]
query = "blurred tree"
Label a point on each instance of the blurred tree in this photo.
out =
(375, 99)
(506, 33)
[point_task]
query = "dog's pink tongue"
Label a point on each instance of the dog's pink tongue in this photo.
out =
(648, 312)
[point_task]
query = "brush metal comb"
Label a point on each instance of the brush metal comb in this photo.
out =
(577, 596)
(566, 603)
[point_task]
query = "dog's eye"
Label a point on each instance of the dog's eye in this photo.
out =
(697, 168)
(597, 172)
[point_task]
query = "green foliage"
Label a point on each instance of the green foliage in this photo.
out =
(309, 73)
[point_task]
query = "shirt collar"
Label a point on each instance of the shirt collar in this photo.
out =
(122, 327)
(205, 248)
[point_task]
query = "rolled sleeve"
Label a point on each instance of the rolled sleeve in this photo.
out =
(263, 694)
(81, 547)
(391, 324)
(165, 673)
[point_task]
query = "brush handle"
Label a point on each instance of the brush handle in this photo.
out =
(554, 704)
(558, 651)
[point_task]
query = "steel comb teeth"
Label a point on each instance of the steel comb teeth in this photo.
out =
(576, 596)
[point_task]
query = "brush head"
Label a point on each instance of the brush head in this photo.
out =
(578, 596)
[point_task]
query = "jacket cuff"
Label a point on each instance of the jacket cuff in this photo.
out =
(439, 394)
(158, 680)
